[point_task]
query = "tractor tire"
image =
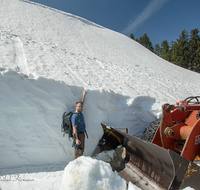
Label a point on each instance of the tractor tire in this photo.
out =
(150, 130)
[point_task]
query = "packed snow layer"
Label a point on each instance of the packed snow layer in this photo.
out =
(47, 58)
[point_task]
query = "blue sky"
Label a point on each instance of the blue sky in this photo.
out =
(160, 19)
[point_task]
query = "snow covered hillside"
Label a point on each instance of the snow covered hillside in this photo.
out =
(47, 58)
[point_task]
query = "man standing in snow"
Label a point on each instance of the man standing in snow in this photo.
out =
(78, 125)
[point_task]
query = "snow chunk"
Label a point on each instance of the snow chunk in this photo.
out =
(88, 174)
(132, 187)
(188, 188)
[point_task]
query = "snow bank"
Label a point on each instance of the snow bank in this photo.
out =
(49, 43)
(89, 174)
(31, 113)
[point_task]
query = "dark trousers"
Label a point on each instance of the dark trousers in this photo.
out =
(77, 153)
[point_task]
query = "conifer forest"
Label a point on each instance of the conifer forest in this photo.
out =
(184, 52)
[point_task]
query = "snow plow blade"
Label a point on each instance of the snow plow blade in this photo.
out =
(147, 165)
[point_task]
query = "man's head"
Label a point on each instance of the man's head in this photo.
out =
(79, 106)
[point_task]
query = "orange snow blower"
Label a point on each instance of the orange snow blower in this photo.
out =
(179, 129)
(167, 154)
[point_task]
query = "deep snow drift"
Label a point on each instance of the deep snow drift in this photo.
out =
(47, 58)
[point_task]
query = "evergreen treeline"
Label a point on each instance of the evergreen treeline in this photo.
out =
(185, 52)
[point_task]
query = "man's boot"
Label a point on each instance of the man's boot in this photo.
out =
(77, 153)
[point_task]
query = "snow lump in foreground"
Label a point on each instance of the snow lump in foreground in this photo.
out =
(88, 174)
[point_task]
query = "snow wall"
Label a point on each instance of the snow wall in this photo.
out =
(31, 112)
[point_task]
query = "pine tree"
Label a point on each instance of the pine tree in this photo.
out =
(146, 42)
(194, 50)
(132, 36)
(165, 50)
(183, 55)
(174, 52)
(157, 49)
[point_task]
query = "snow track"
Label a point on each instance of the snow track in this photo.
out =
(20, 57)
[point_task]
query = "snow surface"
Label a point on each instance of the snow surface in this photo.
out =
(83, 173)
(47, 58)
